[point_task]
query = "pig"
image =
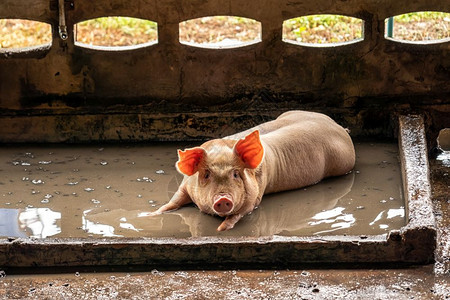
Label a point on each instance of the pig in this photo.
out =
(228, 177)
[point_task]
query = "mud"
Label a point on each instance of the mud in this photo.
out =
(233, 284)
(440, 179)
(108, 191)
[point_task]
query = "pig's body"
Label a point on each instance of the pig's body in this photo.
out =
(229, 176)
(302, 148)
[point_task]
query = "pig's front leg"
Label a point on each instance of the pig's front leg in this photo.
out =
(229, 222)
(179, 199)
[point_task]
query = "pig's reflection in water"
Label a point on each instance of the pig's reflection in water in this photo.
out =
(286, 213)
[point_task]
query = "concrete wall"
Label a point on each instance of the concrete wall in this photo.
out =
(171, 91)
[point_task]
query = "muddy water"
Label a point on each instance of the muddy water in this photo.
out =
(108, 191)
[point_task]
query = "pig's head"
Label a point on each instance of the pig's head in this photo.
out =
(223, 174)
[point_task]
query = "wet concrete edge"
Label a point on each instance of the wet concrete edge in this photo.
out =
(421, 223)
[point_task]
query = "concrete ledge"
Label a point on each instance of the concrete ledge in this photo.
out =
(413, 244)
(415, 172)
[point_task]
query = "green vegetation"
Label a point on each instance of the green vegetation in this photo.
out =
(23, 33)
(318, 29)
(218, 28)
(422, 26)
(424, 16)
(125, 24)
(116, 31)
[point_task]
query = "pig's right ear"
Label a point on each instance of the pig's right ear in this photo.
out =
(189, 159)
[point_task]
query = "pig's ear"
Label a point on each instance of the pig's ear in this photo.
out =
(250, 150)
(189, 159)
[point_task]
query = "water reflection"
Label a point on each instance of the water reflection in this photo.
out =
(9, 223)
(335, 217)
(444, 158)
(133, 223)
(396, 212)
(32, 222)
(43, 222)
(390, 214)
(96, 228)
(282, 213)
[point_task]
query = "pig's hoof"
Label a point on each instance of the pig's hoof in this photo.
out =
(149, 214)
(224, 227)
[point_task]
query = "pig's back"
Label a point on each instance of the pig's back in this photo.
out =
(302, 148)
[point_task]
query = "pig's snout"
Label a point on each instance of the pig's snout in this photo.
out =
(223, 205)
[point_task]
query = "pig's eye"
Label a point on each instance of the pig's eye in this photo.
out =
(207, 174)
(236, 174)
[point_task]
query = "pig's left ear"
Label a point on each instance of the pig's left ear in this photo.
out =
(250, 150)
(189, 159)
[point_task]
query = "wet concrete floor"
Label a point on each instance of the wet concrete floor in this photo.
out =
(383, 282)
(415, 283)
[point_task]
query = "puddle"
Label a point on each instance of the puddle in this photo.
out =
(91, 191)
(444, 158)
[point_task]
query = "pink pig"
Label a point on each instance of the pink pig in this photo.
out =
(228, 177)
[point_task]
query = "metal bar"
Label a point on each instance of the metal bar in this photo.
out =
(62, 21)
(390, 27)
